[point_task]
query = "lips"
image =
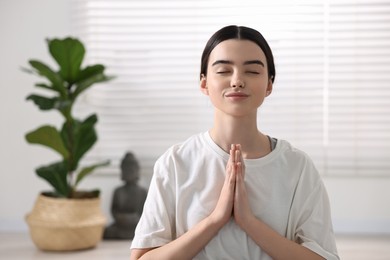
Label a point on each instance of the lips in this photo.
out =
(237, 95)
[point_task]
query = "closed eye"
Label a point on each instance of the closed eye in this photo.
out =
(253, 72)
(223, 72)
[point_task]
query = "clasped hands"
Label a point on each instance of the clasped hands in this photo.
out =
(233, 200)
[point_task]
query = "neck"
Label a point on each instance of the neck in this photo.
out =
(240, 130)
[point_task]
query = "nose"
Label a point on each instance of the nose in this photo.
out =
(237, 82)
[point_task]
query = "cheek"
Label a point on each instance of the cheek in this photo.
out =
(218, 83)
(216, 90)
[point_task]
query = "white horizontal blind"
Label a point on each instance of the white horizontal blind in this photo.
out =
(359, 88)
(330, 96)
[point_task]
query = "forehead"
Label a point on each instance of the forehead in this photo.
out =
(237, 51)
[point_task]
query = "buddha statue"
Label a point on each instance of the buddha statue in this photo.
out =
(128, 201)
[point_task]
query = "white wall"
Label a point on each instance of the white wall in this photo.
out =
(359, 205)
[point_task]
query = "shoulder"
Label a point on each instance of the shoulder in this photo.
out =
(188, 148)
(298, 161)
(292, 153)
(179, 153)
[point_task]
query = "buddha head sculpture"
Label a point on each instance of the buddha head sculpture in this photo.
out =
(130, 168)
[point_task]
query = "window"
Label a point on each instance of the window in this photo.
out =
(330, 98)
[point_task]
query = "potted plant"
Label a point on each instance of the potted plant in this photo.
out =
(66, 218)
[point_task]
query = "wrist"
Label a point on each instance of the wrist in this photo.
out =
(247, 223)
(217, 221)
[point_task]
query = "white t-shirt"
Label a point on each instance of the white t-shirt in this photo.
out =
(284, 188)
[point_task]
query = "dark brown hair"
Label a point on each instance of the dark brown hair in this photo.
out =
(240, 33)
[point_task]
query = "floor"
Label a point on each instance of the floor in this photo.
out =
(19, 246)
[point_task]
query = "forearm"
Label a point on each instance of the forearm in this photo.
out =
(188, 245)
(275, 245)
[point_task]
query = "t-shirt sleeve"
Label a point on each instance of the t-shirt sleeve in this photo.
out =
(156, 226)
(310, 221)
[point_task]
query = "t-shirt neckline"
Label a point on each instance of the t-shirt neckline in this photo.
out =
(248, 162)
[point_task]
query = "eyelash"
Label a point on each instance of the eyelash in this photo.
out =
(228, 71)
(250, 72)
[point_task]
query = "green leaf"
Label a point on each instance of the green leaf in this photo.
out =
(88, 170)
(83, 137)
(45, 86)
(90, 71)
(56, 175)
(44, 103)
(53, 77)
(69, 54)
(85, 75)
(48, 136)
(87, 82)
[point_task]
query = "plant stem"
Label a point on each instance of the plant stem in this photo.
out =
(70, 134)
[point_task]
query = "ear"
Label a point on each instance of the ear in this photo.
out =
(203, 85)
(269, 88)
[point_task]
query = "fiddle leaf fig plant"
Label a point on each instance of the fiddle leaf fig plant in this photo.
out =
(76, 136)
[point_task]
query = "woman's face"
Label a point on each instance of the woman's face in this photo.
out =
(237, 77)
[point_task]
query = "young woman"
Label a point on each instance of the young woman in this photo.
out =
(234, 192)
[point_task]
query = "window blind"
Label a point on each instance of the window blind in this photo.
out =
(330, 98)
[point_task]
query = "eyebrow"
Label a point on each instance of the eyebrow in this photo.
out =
(259, 62)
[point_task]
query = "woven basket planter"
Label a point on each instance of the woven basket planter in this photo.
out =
(66, 224)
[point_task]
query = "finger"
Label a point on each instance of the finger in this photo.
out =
(228, 172)
(242, 166)
(230, 176)
(230, 180)
(240, 184)
(230, 160)
(241, 159)
(237, 156)
(239, 172)
(232, 154)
